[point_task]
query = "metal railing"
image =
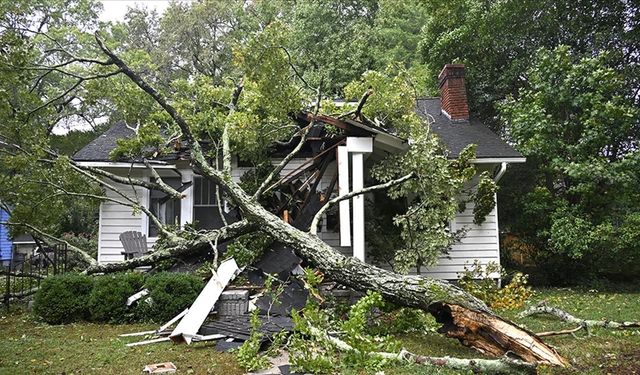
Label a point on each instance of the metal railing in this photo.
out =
(23, 275)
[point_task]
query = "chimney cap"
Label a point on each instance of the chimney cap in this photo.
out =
(449, 70)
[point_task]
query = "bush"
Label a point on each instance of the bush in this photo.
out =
(169, 294)
(107, 302)
(477, 281)
(63, 298)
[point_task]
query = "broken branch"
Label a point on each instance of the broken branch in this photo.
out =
(561, 332)
(83, 254)
(542, 308)
(505, 365)
(316, 219)
(175, 249)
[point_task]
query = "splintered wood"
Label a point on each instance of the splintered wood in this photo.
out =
(494, 336)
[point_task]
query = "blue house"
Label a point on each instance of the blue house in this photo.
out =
(6, 245)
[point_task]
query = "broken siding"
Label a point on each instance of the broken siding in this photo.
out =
(116, 219)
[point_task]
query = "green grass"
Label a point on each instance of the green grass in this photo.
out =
(27, 346)
(604, 352)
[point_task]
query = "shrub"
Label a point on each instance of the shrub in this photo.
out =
(107, 302)
(404, 320)
(169, 294)
(477, 281)
(63, 298)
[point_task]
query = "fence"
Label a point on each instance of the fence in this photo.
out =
(23, 275)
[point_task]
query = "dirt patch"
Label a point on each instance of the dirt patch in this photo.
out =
(625, 363)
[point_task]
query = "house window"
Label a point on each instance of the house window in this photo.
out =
(206, 214)
(166, 209)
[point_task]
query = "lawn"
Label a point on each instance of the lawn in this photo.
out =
(31, 347)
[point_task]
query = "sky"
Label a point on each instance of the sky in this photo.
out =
(114, 10)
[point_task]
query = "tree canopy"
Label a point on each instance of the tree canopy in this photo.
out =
(235, 75)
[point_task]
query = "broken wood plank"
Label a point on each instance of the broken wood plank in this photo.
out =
(160, 368)
(199, 310)
(152, 341)
(137, 296)
(198, 338)
(143, 333)
(173, 320)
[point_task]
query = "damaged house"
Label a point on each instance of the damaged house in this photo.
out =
(328, 165)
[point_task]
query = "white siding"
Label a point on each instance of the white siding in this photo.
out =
(480, 242)
(114, 220)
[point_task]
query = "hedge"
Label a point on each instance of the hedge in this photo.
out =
(63, 299)
(69, 298)
(107, 302)
(169, 294)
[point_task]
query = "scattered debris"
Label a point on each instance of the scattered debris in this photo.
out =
(152, 341)
(198, 338)
(239, 327)
(225, 346)
(233, 302)
(199, 310)
(143, 333)
(160, 368)
(293, 296)
(280, 365)
(137, 296)
(160, 331)
(175, 319)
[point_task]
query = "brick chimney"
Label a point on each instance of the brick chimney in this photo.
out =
(453, 92)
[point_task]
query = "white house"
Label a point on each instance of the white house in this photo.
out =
(326, 166)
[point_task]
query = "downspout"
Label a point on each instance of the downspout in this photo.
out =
(498, 176)
(503, 168)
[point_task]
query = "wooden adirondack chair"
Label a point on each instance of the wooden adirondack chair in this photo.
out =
(134, 243)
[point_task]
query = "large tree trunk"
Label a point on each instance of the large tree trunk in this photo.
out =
(464, 316)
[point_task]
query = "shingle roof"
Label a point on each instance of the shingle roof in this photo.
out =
(458, 135)
(100, 148)
(455, 136)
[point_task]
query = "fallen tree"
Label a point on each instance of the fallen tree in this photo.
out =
(463, 316)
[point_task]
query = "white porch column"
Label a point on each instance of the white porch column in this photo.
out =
(343, 188)
(358, 206)
(186, 204)
(358, 146)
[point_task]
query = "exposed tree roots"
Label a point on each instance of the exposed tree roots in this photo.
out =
(493, 335)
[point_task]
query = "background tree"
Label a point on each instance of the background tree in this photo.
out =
(473, 32)
(580, 133)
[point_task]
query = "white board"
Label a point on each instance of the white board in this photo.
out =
(199, 310)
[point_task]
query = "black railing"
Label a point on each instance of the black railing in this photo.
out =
(23, 275)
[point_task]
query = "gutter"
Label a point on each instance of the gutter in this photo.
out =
(503, 169)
